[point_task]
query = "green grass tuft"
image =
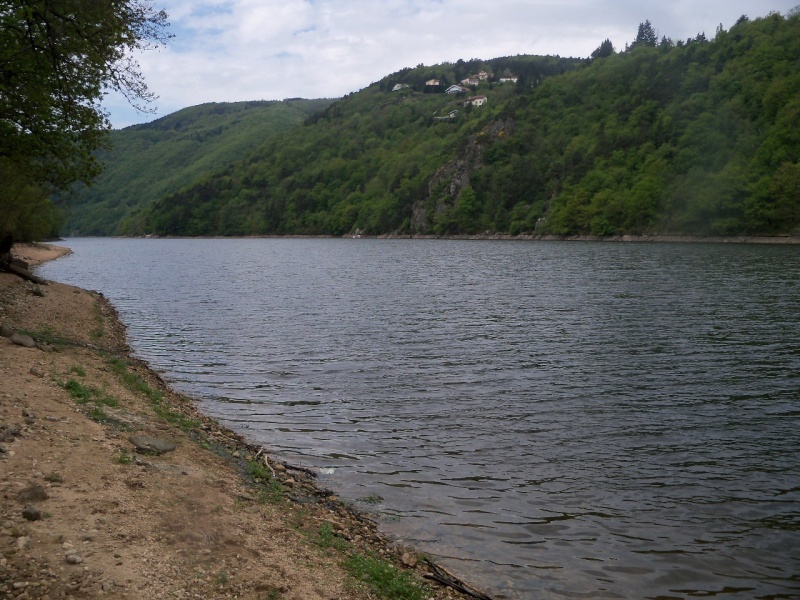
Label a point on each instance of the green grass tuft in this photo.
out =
(98, 414)
(222, 577)
(270, 490)
(109, 401)
(83, 394)
(123, 458)
(98, 315)
(136, 384)
(327, 538)
(384, 578)
(79, 392)
(45, 335)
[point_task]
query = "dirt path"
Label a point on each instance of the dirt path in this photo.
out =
(85, 514)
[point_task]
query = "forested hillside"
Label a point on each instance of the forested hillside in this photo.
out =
(147, 162)
(361, 163)
(698, 136)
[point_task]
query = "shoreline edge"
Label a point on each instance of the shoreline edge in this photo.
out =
(118, 485)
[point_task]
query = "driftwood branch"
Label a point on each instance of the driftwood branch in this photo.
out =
(308, 472)
(12, 265)
(19, 271)
(269, 466)
(446, 578)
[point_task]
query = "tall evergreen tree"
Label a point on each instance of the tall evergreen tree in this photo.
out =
(603, 50)
(646, 35)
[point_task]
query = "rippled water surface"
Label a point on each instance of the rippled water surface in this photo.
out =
(556, 420)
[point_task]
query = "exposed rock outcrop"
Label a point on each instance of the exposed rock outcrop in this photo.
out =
(452, 177)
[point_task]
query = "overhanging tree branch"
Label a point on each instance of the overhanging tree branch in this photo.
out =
(57, 59)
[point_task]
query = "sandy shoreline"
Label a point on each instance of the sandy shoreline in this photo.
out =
(36, 254)
(92, 506)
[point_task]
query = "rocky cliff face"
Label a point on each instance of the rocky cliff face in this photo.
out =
(453, 176)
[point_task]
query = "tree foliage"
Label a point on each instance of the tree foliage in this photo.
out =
(57, 59)
(646, 35)
(361, 163)
(159, 158)
(696, 137)
(605, 49)
(27, 212)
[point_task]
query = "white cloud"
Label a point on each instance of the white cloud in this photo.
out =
(230, 50)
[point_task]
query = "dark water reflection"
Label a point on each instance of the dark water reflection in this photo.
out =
(558, 420)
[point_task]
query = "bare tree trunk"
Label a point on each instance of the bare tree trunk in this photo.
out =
(16, 269)
(11, 265)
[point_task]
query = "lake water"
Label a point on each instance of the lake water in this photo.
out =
(552, 419)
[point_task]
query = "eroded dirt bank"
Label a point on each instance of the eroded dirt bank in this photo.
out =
(111, 485)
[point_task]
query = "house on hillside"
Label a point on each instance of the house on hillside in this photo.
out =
(512, 79)
(471, 81)
(456, 89)
(483, 76)
(476, 101)
(432, 82)
(399, 86)
(451, 116)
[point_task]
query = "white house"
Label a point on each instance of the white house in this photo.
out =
(483, 75)
(399, 86)
(471, 81)
(511, 79)
(455, 89)
(476, 101)
(451, 116)
(432, 82)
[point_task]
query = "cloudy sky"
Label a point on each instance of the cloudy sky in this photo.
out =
(232, 50)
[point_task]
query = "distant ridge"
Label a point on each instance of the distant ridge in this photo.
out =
(151, 160)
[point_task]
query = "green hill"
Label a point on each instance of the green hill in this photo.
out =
(690, 137)
(150, 161)
(362, 162)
